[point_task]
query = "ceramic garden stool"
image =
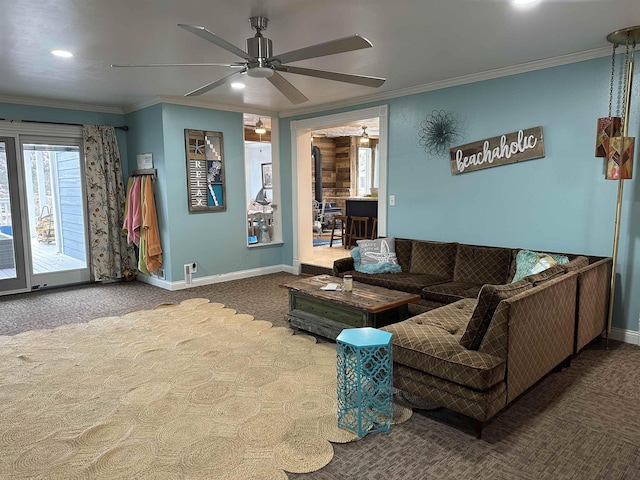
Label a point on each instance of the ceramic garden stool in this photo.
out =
(365, 393)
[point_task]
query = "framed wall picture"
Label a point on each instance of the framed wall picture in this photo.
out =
(205, 171)
(267, 176)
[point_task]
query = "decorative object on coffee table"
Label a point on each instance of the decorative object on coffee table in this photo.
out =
(365, 381)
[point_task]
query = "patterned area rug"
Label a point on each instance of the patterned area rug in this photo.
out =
(193, 390)
(323, 242)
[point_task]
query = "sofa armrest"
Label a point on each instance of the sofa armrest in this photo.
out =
(594, 287)
(540, 331)
(342, 265)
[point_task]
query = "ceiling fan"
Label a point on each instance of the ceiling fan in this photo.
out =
(259, 61)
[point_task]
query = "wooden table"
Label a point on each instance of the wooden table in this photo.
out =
(327, 313)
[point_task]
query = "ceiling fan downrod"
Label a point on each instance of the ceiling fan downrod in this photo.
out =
(260, 48)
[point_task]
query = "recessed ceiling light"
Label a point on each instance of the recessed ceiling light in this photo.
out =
(237, 85)
(62, 53)
(524, 3)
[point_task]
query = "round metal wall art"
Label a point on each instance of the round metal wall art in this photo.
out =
(439, 130)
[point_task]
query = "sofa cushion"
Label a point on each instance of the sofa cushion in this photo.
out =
(545, 275)
(482, 265)
(575, 264)
(479, 404)
(450, 292)
(403, 281)
(528, 262)
(403, 253)
(433, 258)
(488, 299)
(430, 342)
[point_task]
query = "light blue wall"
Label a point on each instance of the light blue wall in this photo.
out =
(145, 136)
(560, 202)
(217, 241)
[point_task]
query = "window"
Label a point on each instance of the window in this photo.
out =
(367, 171)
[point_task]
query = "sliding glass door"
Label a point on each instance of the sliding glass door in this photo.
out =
(43, 230)
(13, 277)
(54, 200)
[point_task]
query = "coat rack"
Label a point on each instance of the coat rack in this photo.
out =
(146, 171)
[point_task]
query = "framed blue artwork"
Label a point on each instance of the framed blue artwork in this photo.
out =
(205, 171)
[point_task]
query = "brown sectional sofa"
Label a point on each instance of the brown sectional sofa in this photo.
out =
(477, 340)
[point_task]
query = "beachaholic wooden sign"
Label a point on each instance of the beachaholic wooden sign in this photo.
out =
(508, 148)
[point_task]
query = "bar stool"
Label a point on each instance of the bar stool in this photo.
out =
(359, 229)
(343, 227)
(374, 229)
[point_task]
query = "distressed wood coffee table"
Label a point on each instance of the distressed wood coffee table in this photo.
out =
(327, 313)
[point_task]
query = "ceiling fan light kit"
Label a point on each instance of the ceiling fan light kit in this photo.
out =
(259, 61)
(260, 129)
(364, 138)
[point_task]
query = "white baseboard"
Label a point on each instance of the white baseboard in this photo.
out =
(211, 279)
(153, 280)
(626, 336)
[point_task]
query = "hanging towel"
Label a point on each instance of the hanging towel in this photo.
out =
(132, 213)
(153, 250)
(142, 250)
(125, 219)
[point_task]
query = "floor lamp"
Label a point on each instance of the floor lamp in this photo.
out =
(614, 142)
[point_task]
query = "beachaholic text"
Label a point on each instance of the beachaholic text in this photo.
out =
(508, 148)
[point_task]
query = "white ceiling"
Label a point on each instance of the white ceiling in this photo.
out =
(415, 43)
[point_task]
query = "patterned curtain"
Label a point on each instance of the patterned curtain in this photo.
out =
(110, 253)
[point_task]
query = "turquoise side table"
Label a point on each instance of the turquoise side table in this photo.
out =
(365, 383)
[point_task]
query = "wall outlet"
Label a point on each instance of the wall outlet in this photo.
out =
(160, 273)
(187, 273)
(392, 200)
(194, 267)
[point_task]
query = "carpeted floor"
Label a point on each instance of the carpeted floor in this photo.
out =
(581, 423)
(193, 390)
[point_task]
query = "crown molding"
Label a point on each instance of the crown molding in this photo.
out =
(134, 107)
(192, 102)
(454, 82)
(41, 102)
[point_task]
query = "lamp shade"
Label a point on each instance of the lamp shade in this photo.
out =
(620, 158)
(608, 127)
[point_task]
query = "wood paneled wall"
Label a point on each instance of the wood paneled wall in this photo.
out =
(251, 136)
(339, 164)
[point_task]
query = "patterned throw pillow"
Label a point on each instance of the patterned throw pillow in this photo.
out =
(529, 263)
(489, 298)
(376, 256)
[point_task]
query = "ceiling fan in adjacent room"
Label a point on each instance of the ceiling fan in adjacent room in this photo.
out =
(260, 62)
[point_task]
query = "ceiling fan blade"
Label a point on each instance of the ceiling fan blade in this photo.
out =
(294, 95)
(212, 85)
(340, 77)
(232, 65)
(213, 38)
(347, 44)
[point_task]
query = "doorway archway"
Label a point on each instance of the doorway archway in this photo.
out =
(301, 175)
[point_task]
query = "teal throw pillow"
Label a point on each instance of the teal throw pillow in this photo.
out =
(373, 268)
(529, 263)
